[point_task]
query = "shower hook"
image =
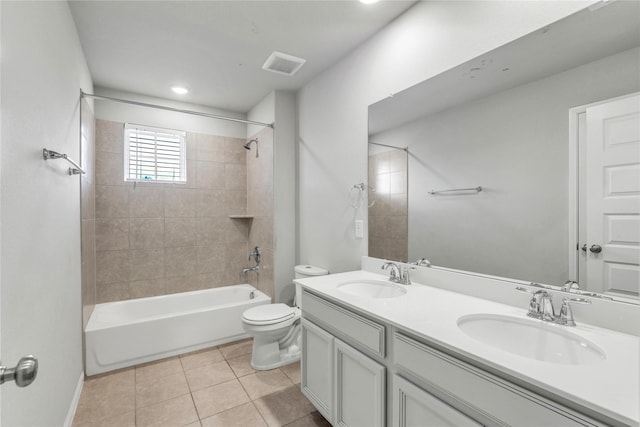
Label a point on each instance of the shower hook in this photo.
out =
(360, 191)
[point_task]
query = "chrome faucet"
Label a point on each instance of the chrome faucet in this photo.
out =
(422, 262)
(255, 269)
(570, 286)
(541, 307)
(396, 275)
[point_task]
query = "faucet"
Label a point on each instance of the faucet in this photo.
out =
(255, 269)
(541, 307)
(422, 262)
(396, 275)
(570, 286)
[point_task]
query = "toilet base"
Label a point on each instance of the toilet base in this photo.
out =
(267, 354)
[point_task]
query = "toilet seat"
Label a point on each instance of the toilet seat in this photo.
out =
(268, 314)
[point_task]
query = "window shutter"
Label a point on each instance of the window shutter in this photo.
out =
(154, 154)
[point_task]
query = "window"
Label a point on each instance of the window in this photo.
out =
(153, 154)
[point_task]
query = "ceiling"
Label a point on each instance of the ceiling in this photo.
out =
(586, 36)
(216, 48)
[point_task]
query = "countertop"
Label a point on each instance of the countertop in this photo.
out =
(610, 386)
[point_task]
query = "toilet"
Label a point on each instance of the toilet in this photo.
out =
(275, 328)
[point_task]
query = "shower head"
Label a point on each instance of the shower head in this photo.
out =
(248, 145)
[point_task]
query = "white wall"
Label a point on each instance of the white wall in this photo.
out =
(514, 144)
(43, 69)
(428, 39)
(127, 113)
(279, 107)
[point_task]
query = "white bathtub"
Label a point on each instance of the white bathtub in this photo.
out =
(126, 333)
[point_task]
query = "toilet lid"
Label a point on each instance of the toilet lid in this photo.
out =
(268, 313)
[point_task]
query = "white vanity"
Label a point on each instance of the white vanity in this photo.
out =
(377, 353)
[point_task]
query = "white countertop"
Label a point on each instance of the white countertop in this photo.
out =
(611, 386)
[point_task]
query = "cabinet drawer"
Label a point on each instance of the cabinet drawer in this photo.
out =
(344, 323)
(481, 392)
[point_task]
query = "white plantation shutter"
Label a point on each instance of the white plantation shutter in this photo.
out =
(154, 154)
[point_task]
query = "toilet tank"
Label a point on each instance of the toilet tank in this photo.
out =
(304, 271)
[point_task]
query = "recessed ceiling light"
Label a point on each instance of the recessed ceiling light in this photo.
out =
(368, 1)
(180, 90)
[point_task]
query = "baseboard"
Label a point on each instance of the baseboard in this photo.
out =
(74, 402)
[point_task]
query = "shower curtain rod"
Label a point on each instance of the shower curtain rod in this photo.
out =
(175, 110)
(390, 146)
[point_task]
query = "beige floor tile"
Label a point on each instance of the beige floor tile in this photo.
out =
(241, 416)
(196, 424)
(160, 389)
(292, 371)
(209, 375)
(241, 365)
(105, 397)
(262, 383)
(178, 412)
(282, 408)
(123, 420)
(236, 349)
(314, 419)
(158, 369)
(218, 398)
(201, 358)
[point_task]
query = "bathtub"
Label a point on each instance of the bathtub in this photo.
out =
(127, 333)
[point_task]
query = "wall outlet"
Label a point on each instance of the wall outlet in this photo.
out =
(359, 229)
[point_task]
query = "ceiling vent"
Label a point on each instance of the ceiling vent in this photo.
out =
(282, 63)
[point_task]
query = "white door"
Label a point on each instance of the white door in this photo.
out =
(613, 197)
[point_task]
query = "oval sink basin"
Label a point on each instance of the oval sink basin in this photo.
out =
(372, 289)
(532, 339)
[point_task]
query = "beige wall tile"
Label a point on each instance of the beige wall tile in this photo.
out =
(146, 233)
(210, 175)
(179, 232)
(235, 176)
(210, 148)
(211, 231)
(112, 267)
(211, 203)
(110, 169)
(180, 202)
(109, 136)
(112, 234)
(146, 288)
(174, 285)
(107, 292)
(112, 201)
(236, 202)
(181, 262)
(211, 259)
(146, 264)
(146, 201)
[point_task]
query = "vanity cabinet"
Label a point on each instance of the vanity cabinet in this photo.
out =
(346, 386)
(359, 371)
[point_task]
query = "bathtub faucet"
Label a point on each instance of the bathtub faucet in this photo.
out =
(255, 269)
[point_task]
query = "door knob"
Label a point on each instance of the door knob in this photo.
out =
(596, 249)
(584, 248)
(23, 373)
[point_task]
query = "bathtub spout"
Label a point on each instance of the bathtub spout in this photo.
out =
(255, 269)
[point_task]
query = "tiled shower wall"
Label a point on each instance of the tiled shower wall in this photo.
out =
(88, 212)
(260, 205)
(388, 217)
(155, 239)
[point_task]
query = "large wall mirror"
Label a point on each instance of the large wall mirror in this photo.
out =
(506, 131)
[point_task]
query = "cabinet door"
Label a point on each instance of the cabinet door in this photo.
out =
(359, 389)
(414, 407)
(316, 366)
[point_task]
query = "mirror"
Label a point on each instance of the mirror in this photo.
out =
(497, 128)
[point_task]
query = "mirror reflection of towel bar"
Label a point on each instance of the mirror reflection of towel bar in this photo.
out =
(478, 189)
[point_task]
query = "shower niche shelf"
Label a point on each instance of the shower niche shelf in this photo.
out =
(241, 216)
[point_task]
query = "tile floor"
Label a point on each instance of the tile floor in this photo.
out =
(208, 388)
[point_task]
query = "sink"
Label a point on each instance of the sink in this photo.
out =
(372, 289)
(532, 339)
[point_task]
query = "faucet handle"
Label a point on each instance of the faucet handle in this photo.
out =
(566, 314)
(570, 286)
